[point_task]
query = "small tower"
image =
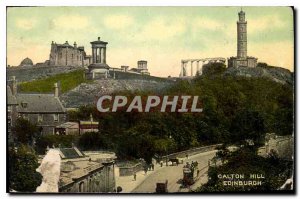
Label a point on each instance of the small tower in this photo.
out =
(242, 36)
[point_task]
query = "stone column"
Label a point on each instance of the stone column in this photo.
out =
(192, 69)
(104, 55)
(100, 57)
(201, 69)
(94, 55)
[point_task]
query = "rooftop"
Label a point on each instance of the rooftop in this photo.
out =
(11, 100)
(39, 103)
(99, 41)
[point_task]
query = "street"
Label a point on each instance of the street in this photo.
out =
(174, 175)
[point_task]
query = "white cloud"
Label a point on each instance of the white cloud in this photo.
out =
(265, 23)
(26, 24)
(162, 28)
(118, 21)
(71, 22)
(207, 23)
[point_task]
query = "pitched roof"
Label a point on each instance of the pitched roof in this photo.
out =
(11, 100)
(70, 153)
(39, 103)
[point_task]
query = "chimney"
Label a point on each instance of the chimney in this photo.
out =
(75, 45)
(13, 85)
(56, 90)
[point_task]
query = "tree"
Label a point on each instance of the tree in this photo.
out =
(94, 141)
(222, 153)
(248, 125)
(23, 163)
(262, 64)
(25, 131)
(213, 69)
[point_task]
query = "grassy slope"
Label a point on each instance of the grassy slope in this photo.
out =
(67, 81)
(70, 80)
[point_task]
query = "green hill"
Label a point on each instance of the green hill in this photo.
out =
(67, 81)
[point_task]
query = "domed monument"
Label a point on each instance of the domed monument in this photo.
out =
(98, 69)
(26, 62)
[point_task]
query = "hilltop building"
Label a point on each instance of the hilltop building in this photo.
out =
(242, 60)
(141, 68)
(67, 55)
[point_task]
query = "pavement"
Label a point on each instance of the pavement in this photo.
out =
(146, 183)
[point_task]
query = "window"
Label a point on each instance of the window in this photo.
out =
(25, 116)
(40, 117)
(24, 104)
(55, 117)
(81, 187)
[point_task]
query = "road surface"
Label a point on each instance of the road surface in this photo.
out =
(173, 174)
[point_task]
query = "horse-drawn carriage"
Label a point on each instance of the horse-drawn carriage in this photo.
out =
(190, 173)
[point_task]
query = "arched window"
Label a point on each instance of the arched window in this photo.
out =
(91, 185)
(81, 187)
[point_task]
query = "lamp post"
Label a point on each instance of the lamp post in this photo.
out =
(170, 137)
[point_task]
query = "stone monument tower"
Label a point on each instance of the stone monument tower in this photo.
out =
(242, 60)
(242, 36)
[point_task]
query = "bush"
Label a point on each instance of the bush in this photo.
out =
(22, 169)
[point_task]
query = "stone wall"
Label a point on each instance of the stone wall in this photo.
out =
(282, 145)
(193, 151)
(47, 123)
(101, 180)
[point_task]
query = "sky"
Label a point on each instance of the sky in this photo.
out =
(161, 35)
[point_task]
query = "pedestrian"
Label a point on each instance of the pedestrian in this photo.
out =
(153, 167)
(187, 156)
(198, 172)
(161, 163)
(146, 169)
(134, 176)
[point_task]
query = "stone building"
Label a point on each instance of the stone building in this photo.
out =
(67, 55)
(142, 68)
(242, 60)
(98, 68)
(26, 62)
(86, 172)
(44, 110)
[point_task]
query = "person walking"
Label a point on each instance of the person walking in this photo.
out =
(134, 176)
